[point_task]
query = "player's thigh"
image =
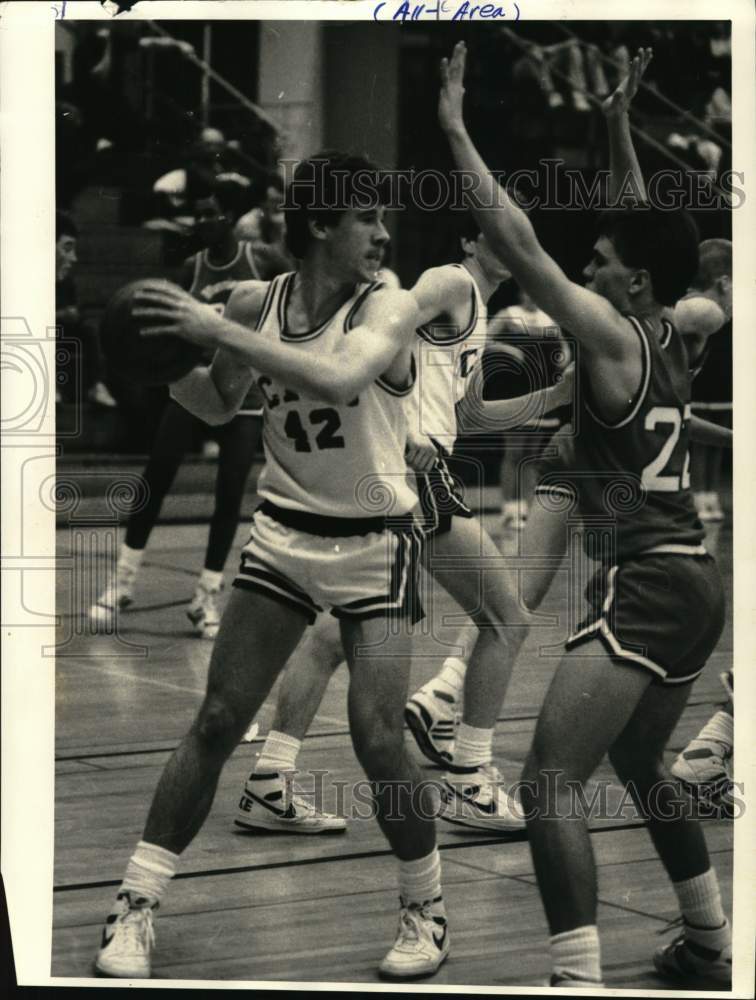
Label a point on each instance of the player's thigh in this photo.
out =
(590, 700)
(257, 636)
(378, 652)
(485, 590)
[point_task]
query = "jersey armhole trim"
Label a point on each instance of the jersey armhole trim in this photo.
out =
(267, 303)
(642, 388)
(425, 330)
(394, 390)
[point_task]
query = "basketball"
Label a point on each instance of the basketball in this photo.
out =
(146, 361)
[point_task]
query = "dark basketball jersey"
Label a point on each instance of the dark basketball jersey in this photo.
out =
(213, 284)
(632, 477)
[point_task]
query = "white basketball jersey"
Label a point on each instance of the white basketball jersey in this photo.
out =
(336, 461)
(445, 359)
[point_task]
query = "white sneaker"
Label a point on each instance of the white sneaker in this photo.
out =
(203, 612)
(422, 942)
(118, 595)
(432, 716)
(279, 808)
(705, 761)
(480, 801)
(127, 939)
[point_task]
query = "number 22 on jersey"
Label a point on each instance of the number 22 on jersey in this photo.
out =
(664, 474)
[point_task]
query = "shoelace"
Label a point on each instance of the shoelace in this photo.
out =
(137, 930)
(409, 917)
(677, 923)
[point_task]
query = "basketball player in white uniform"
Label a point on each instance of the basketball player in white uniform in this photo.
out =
(332, 355)
(448, 348)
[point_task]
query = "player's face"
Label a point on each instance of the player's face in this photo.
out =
(211, 224)
(65, 256)
(357, 243)
(606, 275)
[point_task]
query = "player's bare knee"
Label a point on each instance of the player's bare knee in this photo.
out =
(218, 725)
(378, 746)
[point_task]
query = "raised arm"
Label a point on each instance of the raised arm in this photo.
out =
(387, 324)
(623, 161)
(603, 333)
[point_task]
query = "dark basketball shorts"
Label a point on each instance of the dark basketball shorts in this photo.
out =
(441, 499)
(358, 567)
(659, 611)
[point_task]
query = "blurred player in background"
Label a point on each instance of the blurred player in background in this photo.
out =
(537, 348)
(68, 318)
(210, 276)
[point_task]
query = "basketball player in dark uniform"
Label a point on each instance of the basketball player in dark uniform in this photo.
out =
(210, 275)
(656, 599)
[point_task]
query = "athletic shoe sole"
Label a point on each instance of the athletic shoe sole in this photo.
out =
(279, 826)
(399, 977)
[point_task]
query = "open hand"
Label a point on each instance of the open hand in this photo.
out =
(171, 310)
(452, 93)
(618, 102)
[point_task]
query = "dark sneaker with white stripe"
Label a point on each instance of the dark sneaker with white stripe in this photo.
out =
(685, 959)
(432, 716)
(270, 803)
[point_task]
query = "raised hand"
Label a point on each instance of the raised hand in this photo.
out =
(618, 102)
(452, 93)
(171, 310)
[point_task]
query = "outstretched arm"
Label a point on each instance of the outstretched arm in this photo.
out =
(389, 319)
(705, 432)
(474, 413)
(624, 168)
(215, 393)
(605, 336)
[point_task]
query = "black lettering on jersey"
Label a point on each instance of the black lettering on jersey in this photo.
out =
(355, 401)
(290, 396)
(272, 399)
(326, 437)
(467, 360)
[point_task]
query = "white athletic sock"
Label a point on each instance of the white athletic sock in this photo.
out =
(130, 559)
(210, 579)
(420, 880)
(149, 871)
(576, 954)
(701, 906)
(473, 747)
(279, 753)
(451, 677)
(719, 728)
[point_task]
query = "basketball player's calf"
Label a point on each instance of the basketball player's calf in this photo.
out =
(269, 801)
(405, 804)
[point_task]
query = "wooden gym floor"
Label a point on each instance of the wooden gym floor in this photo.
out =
(317, 908)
